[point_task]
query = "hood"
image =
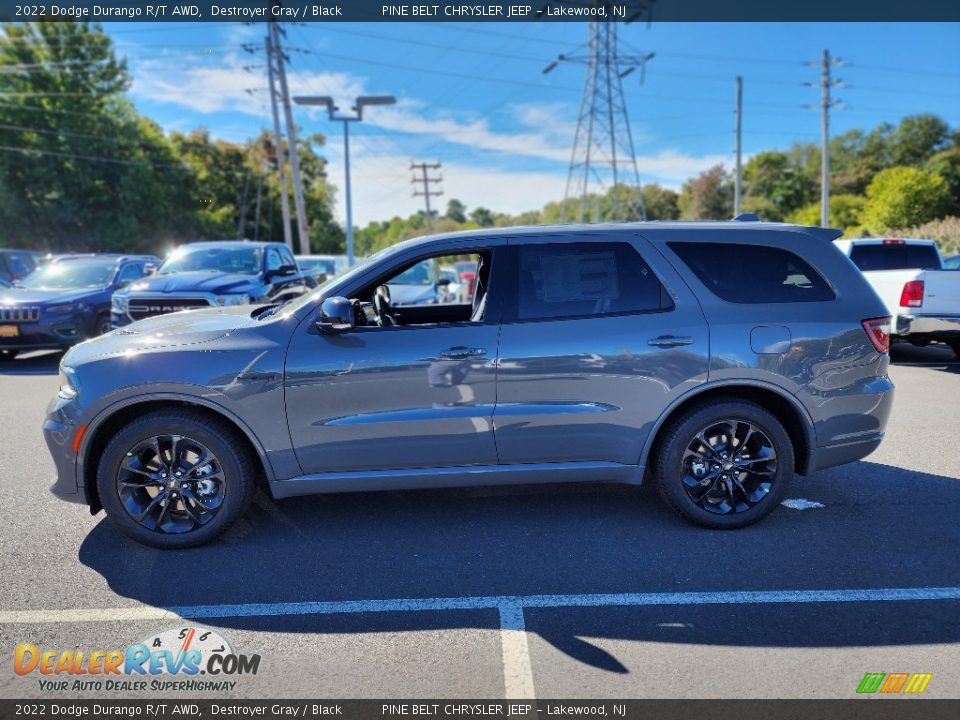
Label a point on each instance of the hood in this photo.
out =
(17, 296)
(164, 331)
(210, 282)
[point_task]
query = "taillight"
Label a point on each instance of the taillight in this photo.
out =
(878, 330)
(894, 241)
(912, 295)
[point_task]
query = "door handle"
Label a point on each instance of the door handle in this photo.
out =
(669, 341)
(461, 352)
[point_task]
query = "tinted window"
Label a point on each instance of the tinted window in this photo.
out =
(895, 257)
(131, 272)
(573, 279)
(753, 273)
(287, 257)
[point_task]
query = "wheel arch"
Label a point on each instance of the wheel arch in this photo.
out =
(784, 406)
(110, 420)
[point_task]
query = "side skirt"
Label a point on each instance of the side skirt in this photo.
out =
(419, 478)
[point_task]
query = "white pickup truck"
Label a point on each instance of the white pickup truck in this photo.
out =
(908, 275)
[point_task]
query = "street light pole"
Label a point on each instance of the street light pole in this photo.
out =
(332, 113)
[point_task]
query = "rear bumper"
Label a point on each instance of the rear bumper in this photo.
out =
(935, 327)
(841, 454)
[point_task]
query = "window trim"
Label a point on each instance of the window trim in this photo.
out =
(510, 312)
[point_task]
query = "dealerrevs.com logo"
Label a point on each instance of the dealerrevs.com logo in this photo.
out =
(182, 654)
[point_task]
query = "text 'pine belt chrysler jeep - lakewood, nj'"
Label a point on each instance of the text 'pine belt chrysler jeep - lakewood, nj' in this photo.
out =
(715, 359)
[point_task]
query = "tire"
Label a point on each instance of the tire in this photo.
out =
(8, 355)
(101, 326)
(195, 508)
(690, 474)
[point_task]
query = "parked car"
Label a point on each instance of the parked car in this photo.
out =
(323, 267)
(909, 276)
(62, 303)
(418, 285)
(952, 263)
(454, 291)
(717, 359)
(16, 264)
(213, 274)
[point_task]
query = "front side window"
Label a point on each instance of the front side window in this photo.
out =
(753, 274)
(273, 259)
(584, 279)
(130, 273)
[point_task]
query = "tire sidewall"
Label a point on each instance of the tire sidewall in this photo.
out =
(671, 456)
(236, 494)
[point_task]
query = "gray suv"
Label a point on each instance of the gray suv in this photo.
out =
(714, 359)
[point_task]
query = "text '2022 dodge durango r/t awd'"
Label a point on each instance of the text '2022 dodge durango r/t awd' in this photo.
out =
(715, 359)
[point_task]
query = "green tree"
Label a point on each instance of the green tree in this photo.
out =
(779, 181)
(660, 203)
(456, 210)
(904, 197)
(844, 212)
(482, 217)
(709, 196)
(946, 164)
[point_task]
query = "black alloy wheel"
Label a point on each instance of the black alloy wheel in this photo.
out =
(171, 484)
(724, 464)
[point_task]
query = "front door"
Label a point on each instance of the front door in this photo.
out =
(415, 395)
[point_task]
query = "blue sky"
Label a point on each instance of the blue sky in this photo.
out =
(472, 95)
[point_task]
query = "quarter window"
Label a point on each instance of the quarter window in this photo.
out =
(753, 274)
(584, 279)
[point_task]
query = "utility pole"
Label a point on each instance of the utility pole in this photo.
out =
(425, 180)
(737, 187)
(281, 160)
(826, 103)
(303, 230)
(603, 155)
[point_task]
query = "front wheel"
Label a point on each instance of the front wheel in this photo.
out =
(175, 479)
(725, 464)
(102, 326)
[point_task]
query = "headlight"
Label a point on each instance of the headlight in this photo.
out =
(118, 303)
(66, 309)
(69, 387)
(238, 299)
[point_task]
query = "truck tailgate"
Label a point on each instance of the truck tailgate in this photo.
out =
(941, 292)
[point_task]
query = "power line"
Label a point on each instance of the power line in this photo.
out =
(95, 158)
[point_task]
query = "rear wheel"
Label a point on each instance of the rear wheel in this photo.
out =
(725, 464)
(175, 479)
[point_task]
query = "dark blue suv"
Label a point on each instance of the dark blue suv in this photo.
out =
(65, 301)
(214, 274)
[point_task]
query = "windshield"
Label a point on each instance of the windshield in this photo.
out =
(70, 276)
(419, 274)
(238, 260)
(329, 267)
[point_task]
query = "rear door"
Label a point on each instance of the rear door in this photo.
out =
(600, 334)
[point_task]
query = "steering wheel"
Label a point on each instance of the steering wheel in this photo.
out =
(381, 307)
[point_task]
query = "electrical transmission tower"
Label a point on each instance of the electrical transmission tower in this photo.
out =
(603, 156)
(426, 181)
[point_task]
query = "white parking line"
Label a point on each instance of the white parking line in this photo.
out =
(491, 602)
(517, 674)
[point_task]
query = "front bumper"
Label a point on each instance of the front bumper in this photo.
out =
(59, 430)
(48, 334)
(935, 327)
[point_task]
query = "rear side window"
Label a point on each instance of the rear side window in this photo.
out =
(585, 279)
(750, 274)
(895, 257)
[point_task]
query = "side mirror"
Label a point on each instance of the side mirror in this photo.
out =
(443, 282)
(283, 270)
(336, 315)
(150, 269)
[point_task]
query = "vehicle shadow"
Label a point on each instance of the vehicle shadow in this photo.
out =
(934, 356)
(881, 527)
(44, 362)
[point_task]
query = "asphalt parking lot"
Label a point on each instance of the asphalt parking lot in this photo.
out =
(510, 589)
